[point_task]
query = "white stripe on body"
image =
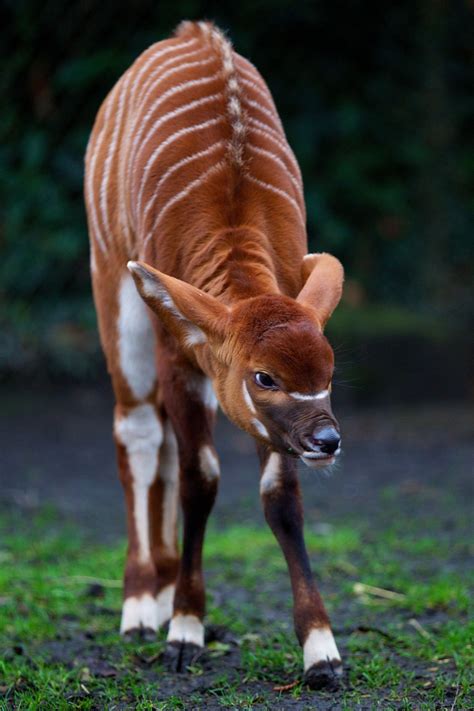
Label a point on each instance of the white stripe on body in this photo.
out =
(140, 432)
(93, 151)
(179, 196)
(181, 163)
(136, 97)
(144, 120)
(265, 96)
(280, 192)
(320, 647)
(170, 140)
(103, 193)
(263, 129)
(276, 159)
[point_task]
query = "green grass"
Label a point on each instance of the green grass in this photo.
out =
(412, 651)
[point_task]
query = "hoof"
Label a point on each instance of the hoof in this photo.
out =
(140, 634)
(324, 675)
(179, 656)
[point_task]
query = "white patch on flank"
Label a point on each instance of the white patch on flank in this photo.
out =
(136, 341)
(315, 396)
(248, 399)
(260, 427)
(271, 473)
(319, 647)
(141, 434)
(186, 628)
(139, 612)
(209, 463)
(169, 475)
(164, 604)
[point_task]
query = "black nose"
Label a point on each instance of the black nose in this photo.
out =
(327, 439)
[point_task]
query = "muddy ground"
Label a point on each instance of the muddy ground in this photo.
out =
(414, 462)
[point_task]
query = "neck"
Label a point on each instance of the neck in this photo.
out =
(233, 264)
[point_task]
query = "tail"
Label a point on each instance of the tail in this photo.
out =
(235, 112)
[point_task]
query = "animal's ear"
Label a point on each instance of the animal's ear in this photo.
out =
(323, 276)
(193, 316)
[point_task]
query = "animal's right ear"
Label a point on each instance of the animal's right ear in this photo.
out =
(323, 277)
(193, 316)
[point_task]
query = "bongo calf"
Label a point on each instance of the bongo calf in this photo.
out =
(188, 171)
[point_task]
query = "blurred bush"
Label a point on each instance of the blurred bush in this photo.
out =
(377, 101)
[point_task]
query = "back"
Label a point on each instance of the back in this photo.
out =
(189, 142)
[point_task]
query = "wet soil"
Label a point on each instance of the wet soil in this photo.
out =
(56, 448)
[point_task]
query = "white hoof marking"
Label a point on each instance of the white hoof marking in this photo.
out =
(139, 612)
(186, 628)
(319, 647)
(164, 603)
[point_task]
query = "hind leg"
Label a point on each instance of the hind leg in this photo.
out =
(143, 438)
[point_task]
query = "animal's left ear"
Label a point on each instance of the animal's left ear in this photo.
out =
(323, 276)
(191, 314)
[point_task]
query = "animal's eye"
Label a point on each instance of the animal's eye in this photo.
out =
(265, 381)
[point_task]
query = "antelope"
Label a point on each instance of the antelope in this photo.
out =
(205, 296)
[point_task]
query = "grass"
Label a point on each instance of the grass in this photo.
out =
(59, 646)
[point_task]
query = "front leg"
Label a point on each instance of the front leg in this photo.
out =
(281, 498)
(192, 414)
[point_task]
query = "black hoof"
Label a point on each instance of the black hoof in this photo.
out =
(140, 634)
(324, 675)
(179, 656)
(148, 634)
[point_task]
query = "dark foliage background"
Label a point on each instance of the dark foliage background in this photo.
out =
(378, 104)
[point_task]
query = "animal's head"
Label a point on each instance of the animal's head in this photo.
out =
(268, 358)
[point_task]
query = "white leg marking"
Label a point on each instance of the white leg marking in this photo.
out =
(260, 427)
(248, 399)
(139, 612)
(186, 628)
(315, 396)
(164, 604)
(320, 647)
(136, 340)
(203, 387)
(169, 475)
(141, 433)
(271, 474)
(209, 463)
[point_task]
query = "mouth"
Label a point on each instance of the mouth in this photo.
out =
(319, 459)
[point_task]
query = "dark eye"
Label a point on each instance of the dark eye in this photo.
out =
(264, 380)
